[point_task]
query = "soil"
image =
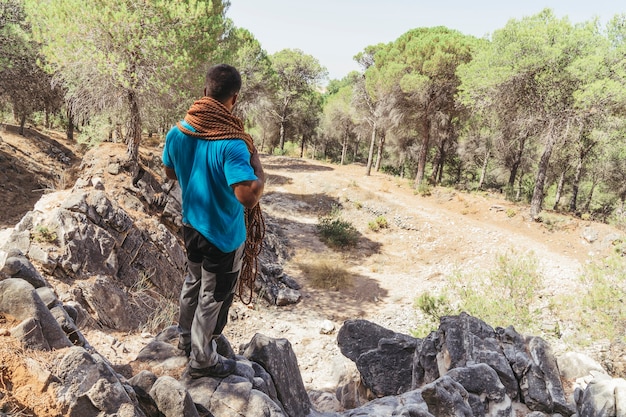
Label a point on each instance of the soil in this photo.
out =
(428, 238)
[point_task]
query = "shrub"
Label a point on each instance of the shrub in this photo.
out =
(423, 189)
(511, 212)
(433, 308)
(379, 223)
(44, 234)
(336, 232)
(598, 312)
(503, 296)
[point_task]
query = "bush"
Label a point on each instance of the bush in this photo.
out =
(379, 223)
(337, 233)
(501, 297)
(598, 313)
(44, 234)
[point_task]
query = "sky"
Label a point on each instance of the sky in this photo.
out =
(334, 31)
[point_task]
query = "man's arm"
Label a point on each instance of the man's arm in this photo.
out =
(249, 192)
(170, 173)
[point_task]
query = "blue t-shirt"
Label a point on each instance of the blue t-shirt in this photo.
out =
(206, 169)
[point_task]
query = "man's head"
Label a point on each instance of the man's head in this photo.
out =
(223, 83)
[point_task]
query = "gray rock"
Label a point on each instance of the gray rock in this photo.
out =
(89, 383)
(142, 384)
(387, 370)
(172, 399)
(30, 335)
(573, 365)
(288, 296)
(278, 359)
(21, 267)
(482, 383)
(20, 300)
(604, 396)
(356, 337)
(446, 398)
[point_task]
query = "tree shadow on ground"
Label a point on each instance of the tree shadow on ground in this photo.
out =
(278, 179)
(292, 164)
(45, 143)
(20, 189)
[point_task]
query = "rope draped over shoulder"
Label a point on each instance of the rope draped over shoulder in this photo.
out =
(213, 121)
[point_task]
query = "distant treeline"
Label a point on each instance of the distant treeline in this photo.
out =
(537, 110)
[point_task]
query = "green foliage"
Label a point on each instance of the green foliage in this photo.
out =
(115, 57)
(423, 189)
(503, 296)
(327, 274)
(291, 149)
(379, 223)
(44, 234)
(433, 308)
(598, 312)
(552, 222)
(337, 232)
(511, 212)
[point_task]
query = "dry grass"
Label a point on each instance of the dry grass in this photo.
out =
(324, 272)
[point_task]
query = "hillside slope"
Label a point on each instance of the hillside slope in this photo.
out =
(428, 239)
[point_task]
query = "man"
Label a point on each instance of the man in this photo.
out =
(220, 173)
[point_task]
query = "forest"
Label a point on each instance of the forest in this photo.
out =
(536, 110)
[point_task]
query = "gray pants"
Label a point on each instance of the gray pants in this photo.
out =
(206, 296)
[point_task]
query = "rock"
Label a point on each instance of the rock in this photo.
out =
(573, 365)
(20, 300)
(604, 396)
(277, 357)
(590, 234)
(446, 398)
(327, 327)
(287, 296)
(21, 267)
(387, 370)
(486, 393)
(90, 385)
(142, 384)
(356, 337)
(172, 399)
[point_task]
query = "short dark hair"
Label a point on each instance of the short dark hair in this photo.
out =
(222, 82)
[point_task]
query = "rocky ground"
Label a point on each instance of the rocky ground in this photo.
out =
(428, 238)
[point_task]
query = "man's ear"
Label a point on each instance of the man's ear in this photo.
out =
(235, 98)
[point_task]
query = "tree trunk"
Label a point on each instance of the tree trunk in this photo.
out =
(302, 146)
(281, 142)
(355, 155)
(370, 156)
(483, 171)
(590, 196)
(559, 190)
(344, 148)
(423, 153)
(379, 154)
(133, 129)
(576, 182)
(22, 124)
(516, 163)
(542, 170)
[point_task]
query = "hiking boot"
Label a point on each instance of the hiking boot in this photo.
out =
(221, 369)
(185, 348)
